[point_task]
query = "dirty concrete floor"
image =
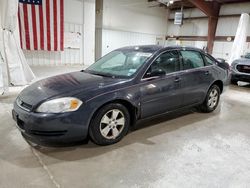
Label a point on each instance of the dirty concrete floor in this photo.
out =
(185, 149)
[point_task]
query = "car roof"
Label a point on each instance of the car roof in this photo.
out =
(155, 48)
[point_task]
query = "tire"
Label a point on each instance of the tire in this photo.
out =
(110, 124)
(212, 99)
(234, 82)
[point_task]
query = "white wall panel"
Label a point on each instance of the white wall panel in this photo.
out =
(73, 11)
(134, 16)
(197, 27)
(89, 32)
(227, 26)
(113, 39)
(222, 49)
(131, 22)
(236, 8)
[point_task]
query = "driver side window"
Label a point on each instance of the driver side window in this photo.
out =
(167, 62)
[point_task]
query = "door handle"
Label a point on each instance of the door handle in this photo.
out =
(177, 79)
(207, 73)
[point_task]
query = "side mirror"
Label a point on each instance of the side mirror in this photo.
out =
(220, 60)
(157, 72)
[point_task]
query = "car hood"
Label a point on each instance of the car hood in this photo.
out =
(244, 61)
(65, 85)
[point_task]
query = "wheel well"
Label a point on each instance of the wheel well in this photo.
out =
(132, 110)
(219, 83)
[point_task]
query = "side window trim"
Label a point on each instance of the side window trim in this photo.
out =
(205, 61)
(177, 50)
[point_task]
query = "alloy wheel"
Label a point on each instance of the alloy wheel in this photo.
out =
(213, 98)
(112, 124)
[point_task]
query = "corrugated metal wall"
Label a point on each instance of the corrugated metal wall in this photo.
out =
(113, 39)
(67, 57)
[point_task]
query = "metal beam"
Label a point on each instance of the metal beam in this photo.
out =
(210, 8)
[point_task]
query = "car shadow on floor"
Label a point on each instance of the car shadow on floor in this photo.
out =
(145, 130)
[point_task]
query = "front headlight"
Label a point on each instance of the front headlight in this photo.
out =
(65, 104)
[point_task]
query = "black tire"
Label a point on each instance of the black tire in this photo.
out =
(95, 126)
(234, 82)
(205, 107)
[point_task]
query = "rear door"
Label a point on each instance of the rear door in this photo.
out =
(196, 77)
(161, 93)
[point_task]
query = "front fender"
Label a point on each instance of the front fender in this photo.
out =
(128, 95)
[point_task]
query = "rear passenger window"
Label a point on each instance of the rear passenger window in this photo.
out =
(208, 61)
(191, 60)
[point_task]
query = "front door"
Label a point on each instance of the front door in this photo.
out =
(161, 92)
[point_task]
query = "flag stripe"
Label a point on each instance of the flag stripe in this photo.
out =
(34, 26)
(22, 26)
(26, 26)
(51, 25)
(29, 18)
(48, 24)
(38, 28)
(55, 25)
(41, 27)
(58, 25)
(45, 25)
(61, 25)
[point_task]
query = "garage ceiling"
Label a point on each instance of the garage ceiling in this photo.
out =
(187, 4)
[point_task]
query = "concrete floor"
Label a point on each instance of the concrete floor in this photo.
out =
(187, 149)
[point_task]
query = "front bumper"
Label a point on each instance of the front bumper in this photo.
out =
(51, 129)
(240, 77)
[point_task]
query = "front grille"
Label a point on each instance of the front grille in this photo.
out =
(243, 68)
(23, 104)
(20, 124)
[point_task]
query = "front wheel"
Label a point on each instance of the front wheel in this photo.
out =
(110, 124)
(212, 99)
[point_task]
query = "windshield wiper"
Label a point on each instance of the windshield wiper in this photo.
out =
(102, 74)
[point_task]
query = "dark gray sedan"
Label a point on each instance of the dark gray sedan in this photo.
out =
(128, 84)
(241, 69)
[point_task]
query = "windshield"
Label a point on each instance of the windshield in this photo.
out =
(119, 63)
(247, 56)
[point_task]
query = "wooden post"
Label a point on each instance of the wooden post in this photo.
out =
(212, 10)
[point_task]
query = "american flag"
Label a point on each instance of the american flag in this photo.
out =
(41, 24)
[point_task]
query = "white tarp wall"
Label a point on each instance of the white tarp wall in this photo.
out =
(14, 68)
(239, 44)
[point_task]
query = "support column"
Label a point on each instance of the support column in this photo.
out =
(212, 25)
(89, 31)
(212, 10)
(98, 29)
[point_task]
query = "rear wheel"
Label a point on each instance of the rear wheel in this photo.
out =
(110, 124)
(212, 99)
